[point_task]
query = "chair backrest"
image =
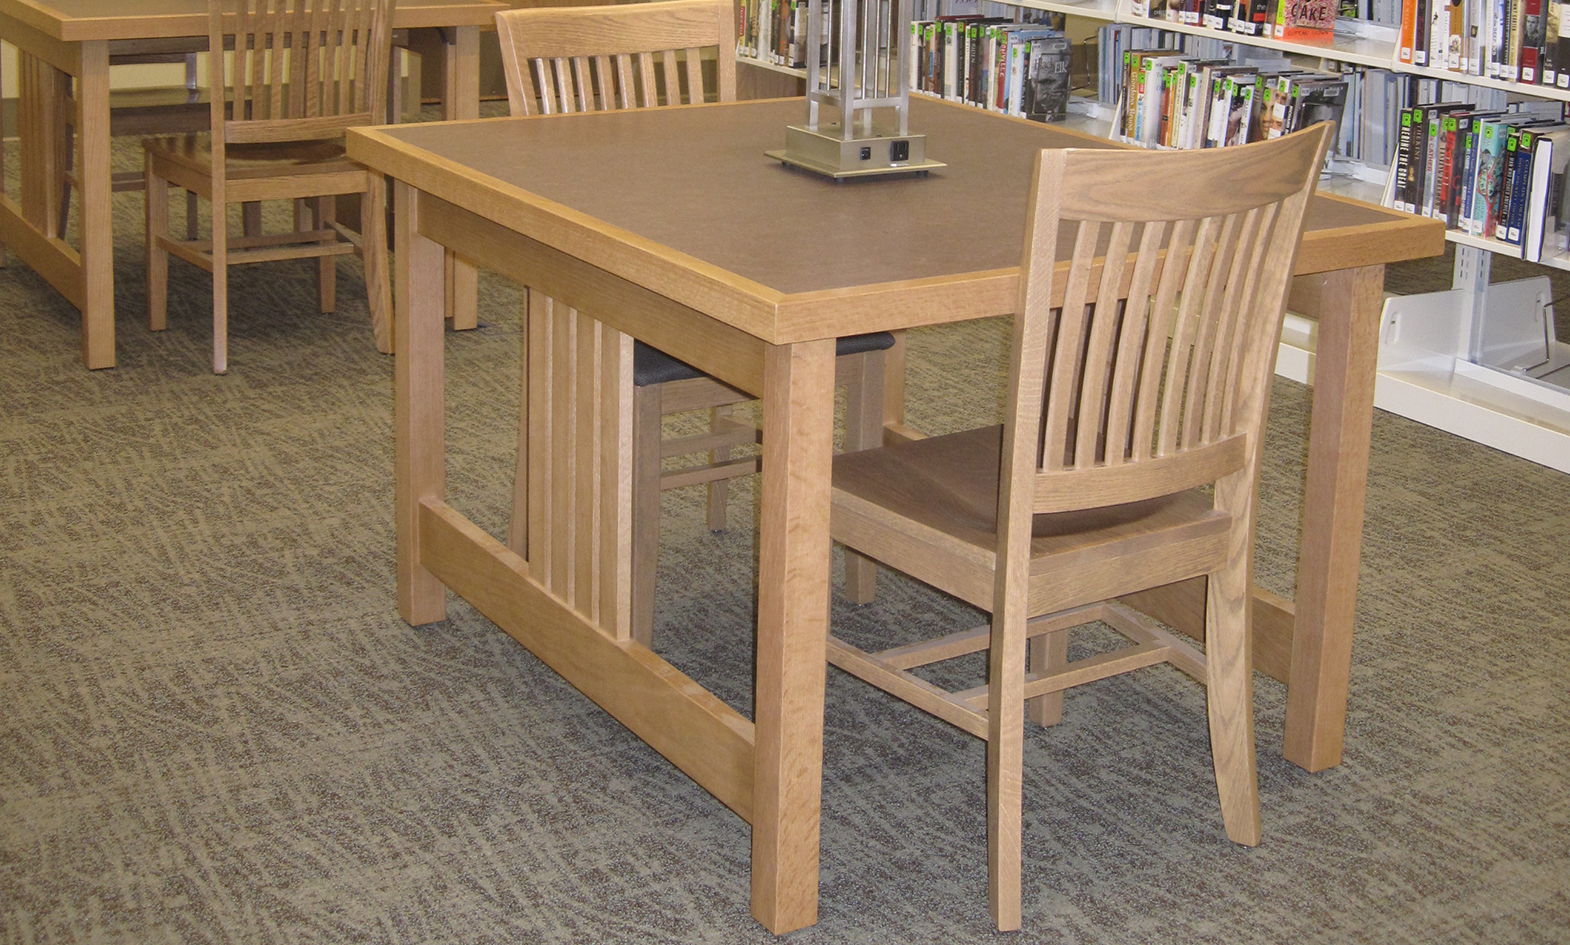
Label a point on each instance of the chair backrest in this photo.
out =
(300, 69)
(1142, 364)
(599, 58)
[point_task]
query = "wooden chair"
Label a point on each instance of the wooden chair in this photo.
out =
(302, 74)
(1151, 301)
(641, 55)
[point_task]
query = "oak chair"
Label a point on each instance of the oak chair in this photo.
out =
(1140, 371)
(301, 74)
(643, 55)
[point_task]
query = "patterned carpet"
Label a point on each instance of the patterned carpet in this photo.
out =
(217, 729)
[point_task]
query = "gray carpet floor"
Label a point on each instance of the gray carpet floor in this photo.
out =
(217, 729)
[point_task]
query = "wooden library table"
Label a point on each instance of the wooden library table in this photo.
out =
(673, 226)
(60, 39)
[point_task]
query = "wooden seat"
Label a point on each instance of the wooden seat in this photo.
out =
(1141, 364)
(641, 55)
(301, 75)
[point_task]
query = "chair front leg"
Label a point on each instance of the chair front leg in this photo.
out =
(1229, 668)
(1005, 765)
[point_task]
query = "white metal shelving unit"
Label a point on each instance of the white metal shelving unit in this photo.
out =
(1479, 360)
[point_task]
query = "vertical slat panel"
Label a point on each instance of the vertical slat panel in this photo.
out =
(365, 55)
(564, 93)
(275, 57)
(252, 41)
(539, 90)
(1163, 313)
(616, 478)
(563, 430)
(626, 92)
(586, 467)
(1232, 309)
(1252, 328)
(1205, 340)
(648, 95)
(695, 76)
(343, 56)
(672, 82)
(1181, 355)
(541, 411)
(1067, 347)
(1132, 341)
(605, 78)
(316, 43)
(296, 27)
(580, 68)
(1103, 331)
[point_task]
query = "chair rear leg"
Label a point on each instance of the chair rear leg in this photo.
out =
(863, 431)
(1048, 652)
(373, 247)
(645, 508)
(719, 489)
(220, 287)
(157, 255)
(326, 212)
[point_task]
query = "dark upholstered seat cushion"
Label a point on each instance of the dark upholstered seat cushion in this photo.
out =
(650, 365)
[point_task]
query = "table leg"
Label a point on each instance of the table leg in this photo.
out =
(1344, 369)
(419, 461)
(97, 220)
(793, 606)
(460, 100)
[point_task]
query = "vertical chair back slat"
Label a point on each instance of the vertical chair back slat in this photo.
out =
(1165, 309)
(537, 42)
(299, 71)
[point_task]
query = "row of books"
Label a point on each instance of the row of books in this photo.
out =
(773, 31)
(1294, 21)
(1492, 174)
(1019, 68)
(1176, 101)
(1509, 40)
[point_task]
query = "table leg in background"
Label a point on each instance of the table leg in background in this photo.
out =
(793, 603)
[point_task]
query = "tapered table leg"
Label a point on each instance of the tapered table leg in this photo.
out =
(1344, 369)
(419, 447)
(793, 606)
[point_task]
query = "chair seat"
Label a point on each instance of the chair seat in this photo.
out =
(195, 152)
(650, 365)
(947, 488)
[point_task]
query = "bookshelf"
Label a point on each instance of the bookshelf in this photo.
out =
(1462, 360)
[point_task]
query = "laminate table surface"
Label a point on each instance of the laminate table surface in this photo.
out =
(63, 40)
(672, 225)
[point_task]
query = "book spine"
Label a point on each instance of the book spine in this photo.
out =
(1445, 166)
(1531, 40)
(1408, 25)
(1521, 180)
(1403, 161)
(1507, 172)
(1461, 213)
(1431, 164)
(1455, 47)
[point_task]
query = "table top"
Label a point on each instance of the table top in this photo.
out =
(686, 199)
(85, 20)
